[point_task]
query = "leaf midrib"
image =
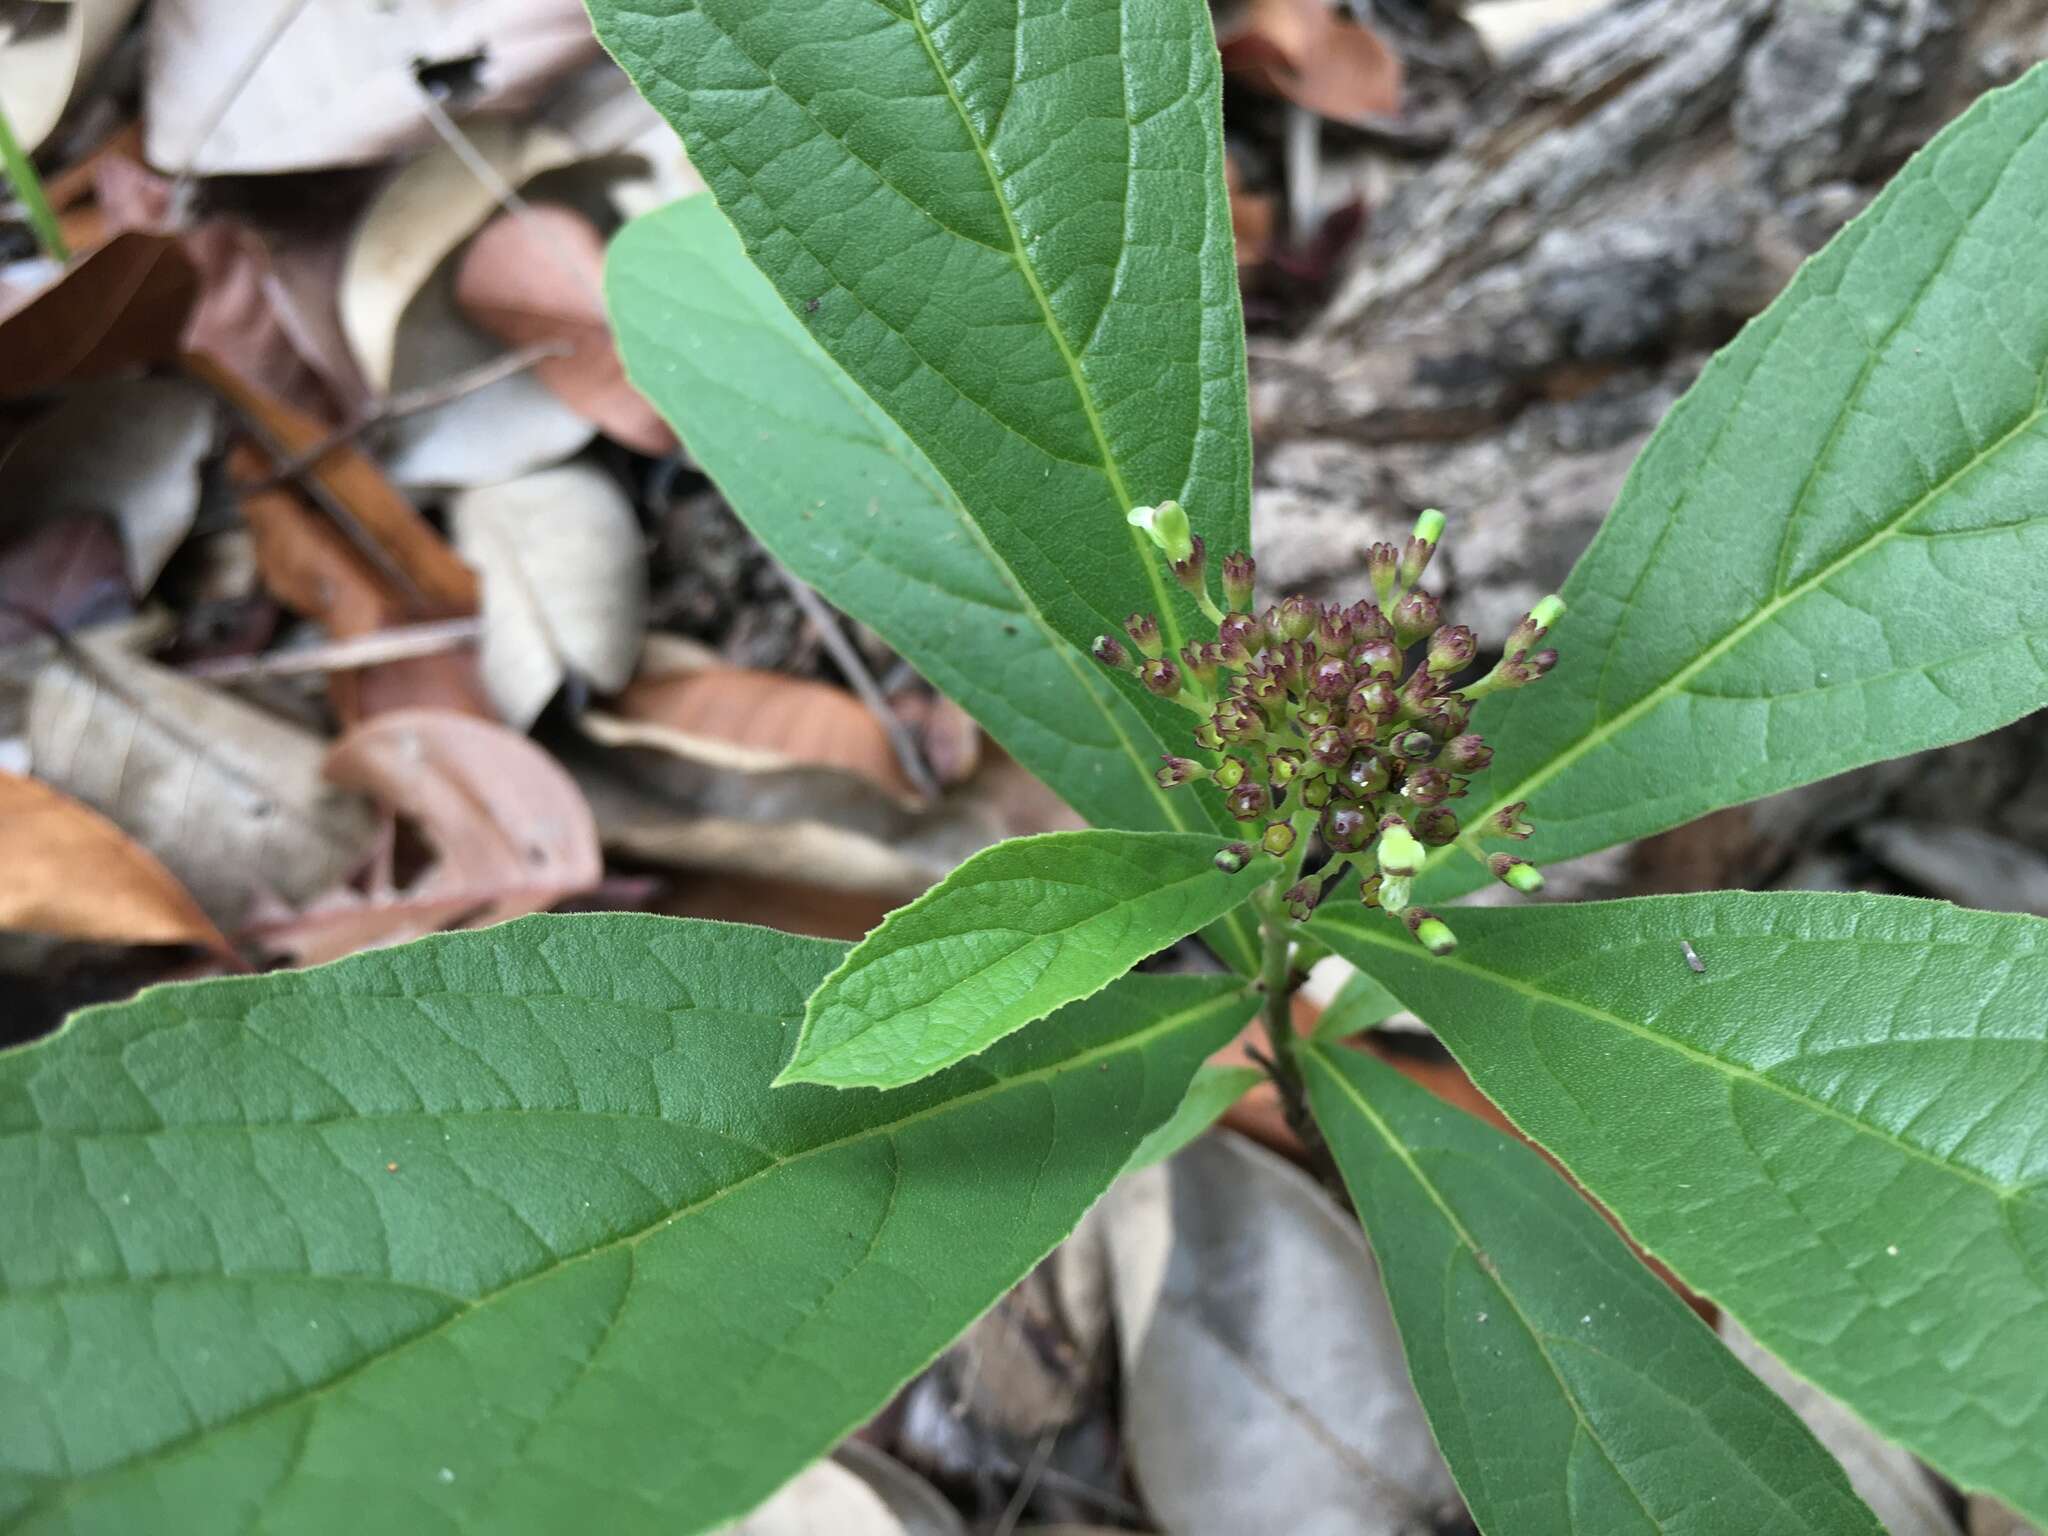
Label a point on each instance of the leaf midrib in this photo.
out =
(70, 1488)
(1674, 685)
(1735, 1071)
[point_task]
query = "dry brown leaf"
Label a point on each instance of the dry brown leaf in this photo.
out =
(1305, 51)
(66, 575)
(511, 834)
(50, 53)
(338, 86)
(564, 573)
(230, 798)
(72, 872)
(111, 309)
(756, 722)
(512, 283)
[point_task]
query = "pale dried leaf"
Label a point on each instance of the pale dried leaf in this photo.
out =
(72, 872)
(129, 449)
(510, 831)
(824, 1499)
(912, 1500)
(511, 283)
(50, 52)
(230, 798)
(1238, 1417)
(564, 575)
(1887, 1478)
(1316, 57)
(339, 87)
(1988, 1517)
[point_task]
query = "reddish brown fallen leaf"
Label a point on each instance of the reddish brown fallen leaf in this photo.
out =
(67, 575)
(512, 284)
(511, 834)
(71, 871)
(1252, 216)
(948, 736)
(113, 308)
(741, 718)
(1305, 51)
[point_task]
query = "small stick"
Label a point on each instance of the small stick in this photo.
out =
(849, 661)
(1699, 966)
(399, 643)
(1027, 1485)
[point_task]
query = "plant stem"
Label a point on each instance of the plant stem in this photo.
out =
(28, 186)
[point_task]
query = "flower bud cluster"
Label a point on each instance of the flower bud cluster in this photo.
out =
(1347, 719)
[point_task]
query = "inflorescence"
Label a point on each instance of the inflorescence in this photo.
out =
(1338, 721)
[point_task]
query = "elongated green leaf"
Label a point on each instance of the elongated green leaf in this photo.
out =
(836, 491)
(1013, 933)
(504, 1232)
(1006, 219)
(1838, 1130)
(1835, 549)
(1213, 1090)
(1570, 1390)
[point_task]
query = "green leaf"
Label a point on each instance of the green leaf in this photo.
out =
(1570, 1390)
(1213, 1091)
(1008, 224)
(1838, 1130)
(838, 494)
(1013, 933)
(504, 1231)
(1359, 1004)
(1835, 549)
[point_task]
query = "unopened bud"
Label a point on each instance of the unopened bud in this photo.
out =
(1415, 554)
(1428, 786)
(1516, 874)
(1437, 826)
(1394, 891)
(1238, 638)
(1415, 615)
(1467, 754)
(1237, 721)
(1207, 737)
(1300, 899)
(1314, 793)
(1313, 715)
(1366, 775)
(1144, 632)
(1166, 525)
(1298, 616)
(1175, 771)
(1289, 663)
(1346, 828)
(1192, 571)
(1201, 662)
(1229, 773)
(1400, 854)
(1448, 716)
(1431, 931)
(1418, 691)
(1110, 651)
(1508, 822)
(1330, 678)
(1161, 677)
(1233, 858)
(1413, 746)
(1375, 699)
(1330, 746)
(1278, 839)
(1239, 572)
(1534, 625)
(1368, 623)
(1382, 566)
(1451, 649)
(1248, 802)
(1333, 631)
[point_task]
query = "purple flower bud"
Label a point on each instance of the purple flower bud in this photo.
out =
(1366, 775)
(1508, 822)
(1248, 802)
(1368, 623)
(1192, 572)
(1449, 715)
(1238, 638)
(1415, 615)
(1283, 766)
(1376, 699)
(1233, 858)
(1229, 773)
(1516, 874)
(1451, 649)
(1109, 650)
(1201, 663)
(1289, 664)
(1175, 771)
(1413, 746)
(1239, 572)
(1300, 899)
(1330, 746)
(1333, 631)
(1418, 691)
(1543, 661)
(1314, 793)
(1298, 617)
(1378, 657)
(1383, 565)
(1161, 676)
(1278, 839)
(1330, 678)
(1436, 826)
(1144, 632)
(1237, 721)
(1346, 828)
(1467, 754)
(1428, 786)
(1431, 931)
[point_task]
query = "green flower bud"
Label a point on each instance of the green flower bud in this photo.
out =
(1298, 617)
(1239, 572)
(1201, 662)
(1369, 890)
(1451, 649)
(1207, 737)
(1248, 802)
(1394, 892)
(1300, 899)
(1314, 793)
(1330, 678)
(1377, 657)
(1382, 566)
(1166, 525)
(1447, 716)
(1376, 699)
(1534, 625)
(1413, 746)
(1233, 858)
(1367, 623)
(1236, 720)
(1282, 766)
(1238, 638)
(1508, 822)
(1330, 746)
(1175, 771)
(1421, 545)
(1333, 631)
(1366, 775)
(1467, 754)
(1516, 874)
(1278, 839)
(1108, 650)
(1428, 786)
(1192, 569)
(1313, 716)
(1437, 826)
(1415, 615)
(1400, 854)
(1229, 773)
(1144, 632)
(1346, 828)
(1161, 677)
(1431, 931)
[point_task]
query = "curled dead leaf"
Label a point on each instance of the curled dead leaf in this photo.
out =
(50, 54)
(72, 872)
(1316, 58)
(113, 308)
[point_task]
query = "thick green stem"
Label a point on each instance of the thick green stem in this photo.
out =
(28, 186)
